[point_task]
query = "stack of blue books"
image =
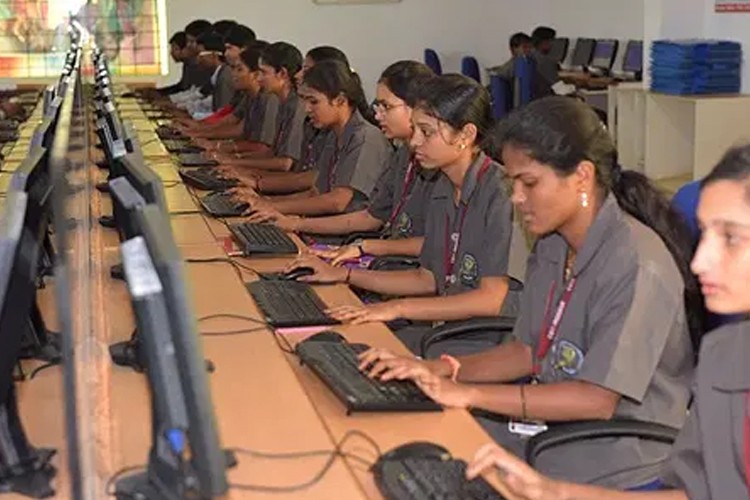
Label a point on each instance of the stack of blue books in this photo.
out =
(691, 67)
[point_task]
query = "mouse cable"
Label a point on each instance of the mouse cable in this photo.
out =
(230, 333)
(238, 266)
(332, 455)
(233, 333)
(287, 347)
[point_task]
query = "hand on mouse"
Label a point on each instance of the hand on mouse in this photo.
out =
(324, 273)
(356, 315)
(517, 479)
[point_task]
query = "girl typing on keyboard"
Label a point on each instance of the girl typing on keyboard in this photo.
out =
(711, 457)
(464, 259)
(604, 328)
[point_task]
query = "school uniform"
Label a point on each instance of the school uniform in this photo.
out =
(711, 457)
(261, 120)
(314, 141)
(402, 195)
(356, 161)
(194, 75)
(620, 324)
(287, 141)
(223, 91)
(465, 243)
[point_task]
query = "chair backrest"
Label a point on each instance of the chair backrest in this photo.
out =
(470, 68)
(501, 92)
(524, 70)
(432, 61)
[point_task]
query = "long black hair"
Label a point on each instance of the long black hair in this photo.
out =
(733, 166)
(561, 132)
(405, 78)
(334, 78)
(327, 53)
(457, 100)
(251, 58)
(282, 55)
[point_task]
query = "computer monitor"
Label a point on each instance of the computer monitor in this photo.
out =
(604, 54)
(19, 254)
(169, 338)
(125, 201)
(559, 49)
(633, 60)
(144, 179)
(583, 52)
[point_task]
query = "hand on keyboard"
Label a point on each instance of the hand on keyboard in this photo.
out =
(367, 313)
(339, 256)
(324, 273)
(519, 479)
(265, 214)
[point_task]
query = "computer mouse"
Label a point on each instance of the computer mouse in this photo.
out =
(297, 273)
(418, 449)
(326, 336)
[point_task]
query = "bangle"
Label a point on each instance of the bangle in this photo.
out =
(524, 416)
(455, 365)
(257, 184)
(348, 275)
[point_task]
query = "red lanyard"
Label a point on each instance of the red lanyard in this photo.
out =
(333, 165)
(411, 174)
(747, 441)
(453, 238)
(551, 325)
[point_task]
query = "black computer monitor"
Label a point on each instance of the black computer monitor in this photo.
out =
(583, 52)
(125, 201)
(604, 54)
(171, 348)
(19, 254)
(559, 49)
(144, 179)
(633, 60)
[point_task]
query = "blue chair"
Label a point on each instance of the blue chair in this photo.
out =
(432, 61)
(502, 96)
(470, 68)
(523, 71)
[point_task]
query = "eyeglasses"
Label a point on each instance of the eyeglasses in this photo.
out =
(380, 106)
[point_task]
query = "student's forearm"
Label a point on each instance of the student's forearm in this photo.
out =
(333, 202)
(253, 148)
(570, 491)
(554, 402)
(360, 220)
(286, 182)
(477, 303)
(403, 246)
(411, 282)
(271, 163)
(504, 363)
(227, 131)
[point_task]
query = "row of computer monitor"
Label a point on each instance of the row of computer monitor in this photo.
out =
(600, 54)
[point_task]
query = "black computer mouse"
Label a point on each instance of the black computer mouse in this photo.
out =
(417, 449)
(326, 336)
(297, 273)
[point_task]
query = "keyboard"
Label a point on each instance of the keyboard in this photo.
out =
(289, 303)
(262, 239)
(425, 471)
(196, 160)
(221, 204)
(206, 179)
(181, 146)
(166, 132)
(336, 364)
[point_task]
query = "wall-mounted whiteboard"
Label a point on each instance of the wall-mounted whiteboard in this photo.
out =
(352, 2)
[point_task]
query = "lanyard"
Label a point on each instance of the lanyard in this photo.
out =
(411, 174)
(333, 165)
(453, 238)
(747, 441)
(551, 325)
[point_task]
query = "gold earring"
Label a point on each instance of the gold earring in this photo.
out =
(584, 200)
(462, 147)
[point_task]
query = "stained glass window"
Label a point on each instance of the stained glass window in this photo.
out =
(33, 35)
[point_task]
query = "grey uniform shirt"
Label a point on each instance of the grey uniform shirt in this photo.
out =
(624, 329)
(261, 120)
(239, 102)
(290, 128)
(313, 143)
(356, 161)
(485, 235)
(707, 460)
(224, 88)
(402, 195)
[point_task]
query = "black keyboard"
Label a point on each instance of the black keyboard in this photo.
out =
(336, 364)
(169, 133)
(289, 303)
(196, 160)
(262, 239)
(223, 205)
(206, 179)
(181, 146)
(424, 471)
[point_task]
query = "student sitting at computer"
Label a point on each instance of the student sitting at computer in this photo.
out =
(711, 457)
(547, 71)
(353, 158)
(177, 45)
(520, 46)
(401, 196)
(464, 259)
(211, 57)
(194, 77)
(603, 329)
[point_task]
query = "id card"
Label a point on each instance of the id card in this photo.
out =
(526, 429)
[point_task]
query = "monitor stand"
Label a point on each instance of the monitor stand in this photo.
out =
(24, 469)
(128, 354)
(39, 342)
